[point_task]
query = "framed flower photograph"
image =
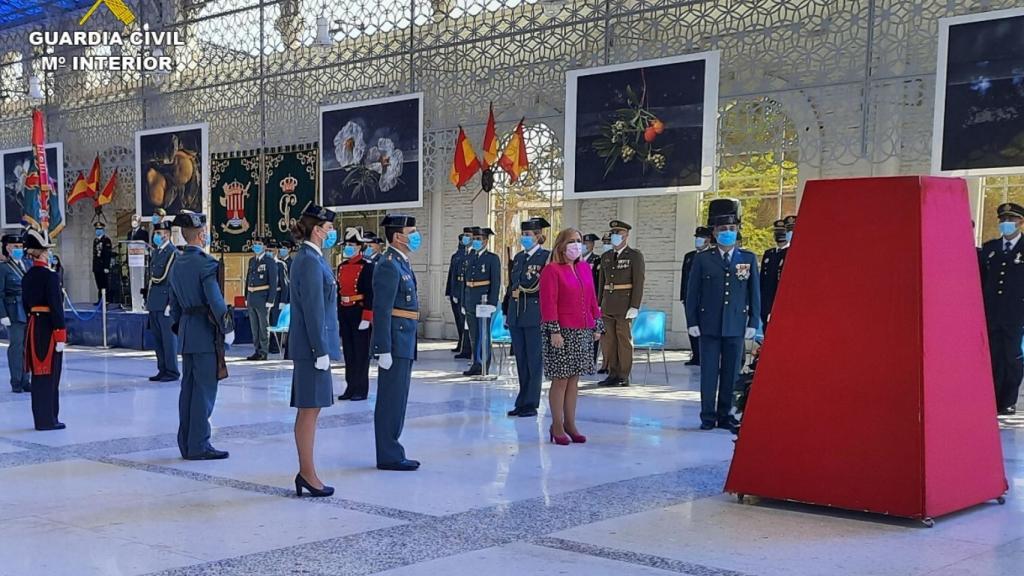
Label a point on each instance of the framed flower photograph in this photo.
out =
(642, 128)
(370, 154)
(17, 181)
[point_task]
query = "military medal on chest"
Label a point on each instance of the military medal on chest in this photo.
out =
(742, 271)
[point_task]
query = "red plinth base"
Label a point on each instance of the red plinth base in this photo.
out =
(874, 389)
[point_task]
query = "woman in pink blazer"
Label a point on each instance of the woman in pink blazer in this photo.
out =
(571, 323)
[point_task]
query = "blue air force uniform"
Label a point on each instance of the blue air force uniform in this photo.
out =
(395, 317)
(453, 290)
(1003, 292)
(261, 286)
(12, 271)
(283, 289)
(196, 303)
(522, 309)
(313, 329)
(723, 299)
(158, 302)
(483, 279)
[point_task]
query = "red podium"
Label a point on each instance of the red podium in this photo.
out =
(874, 388)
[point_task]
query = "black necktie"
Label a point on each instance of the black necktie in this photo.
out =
(725, 258)
(1006, 247)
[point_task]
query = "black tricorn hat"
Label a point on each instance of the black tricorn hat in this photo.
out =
(163, 225)
(534, 224)
(398, 221)
(12, 239)
(484, 232)
(1010, 209)
(722, 211)
(318, 212)
(702, 232)
(591, 238)
(188, 219)
(355, 234)
(36, 239)
(468, 229)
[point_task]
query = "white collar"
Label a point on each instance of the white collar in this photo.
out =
(729, 251)
(618, 252)
(1013, 243)
(314, 247)
(166, 244)
(533, 250)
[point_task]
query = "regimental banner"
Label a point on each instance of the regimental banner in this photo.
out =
(290, 184)
(235, 185)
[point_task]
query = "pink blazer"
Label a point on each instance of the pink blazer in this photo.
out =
(567, 297)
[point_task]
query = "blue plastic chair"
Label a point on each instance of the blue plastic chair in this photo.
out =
(501, 337)
(280, 332)
(649, 333)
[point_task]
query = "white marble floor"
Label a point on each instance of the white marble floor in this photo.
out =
(110, 496)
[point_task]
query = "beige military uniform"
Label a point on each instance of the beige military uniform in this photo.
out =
(621, 285)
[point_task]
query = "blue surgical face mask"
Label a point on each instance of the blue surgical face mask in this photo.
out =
(466, 240)
(616, 240)
(99, 233)
(367, 252)
(18, 253)
(789, 236)
(53, 259)
(1007, 228)
(478, 244)
(257, 249)
(158, 239)
(206, 240)
(283, 252)
(699, 242)
(331, 239)
(727, 238)
(348, 251)
(606, 247)
(155, 220)
(415, 240)
(528, 242)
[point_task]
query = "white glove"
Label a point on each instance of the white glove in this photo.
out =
(167, 311)
(364, 324)
(60, 346)
(5, 321)
(229, 338)
(270, 305)
(384, 362)
(749, 334)
(631, 313)
(106, 271)
(323, 362)
(454, 299)
(694, 331)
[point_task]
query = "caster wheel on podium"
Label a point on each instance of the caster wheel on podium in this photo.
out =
(741, 498)
(928, 522)
(1001, 500)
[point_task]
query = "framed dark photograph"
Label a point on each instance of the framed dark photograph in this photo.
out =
(371, 154)
(14, 171)
(172, 169)
(979, 95)
(642, 128)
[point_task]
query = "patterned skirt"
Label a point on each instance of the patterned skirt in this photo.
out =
(575, 357)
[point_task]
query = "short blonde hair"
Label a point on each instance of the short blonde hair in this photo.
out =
(558, 250)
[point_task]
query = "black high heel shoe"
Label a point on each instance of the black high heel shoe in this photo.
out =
(301, 483)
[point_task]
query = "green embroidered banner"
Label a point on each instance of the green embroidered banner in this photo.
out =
(290, 184)
(235, 186)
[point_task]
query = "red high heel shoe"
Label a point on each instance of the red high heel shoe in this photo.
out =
(577, 438)
(559, 439)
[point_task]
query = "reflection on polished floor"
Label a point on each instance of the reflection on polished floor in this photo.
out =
(109, 495)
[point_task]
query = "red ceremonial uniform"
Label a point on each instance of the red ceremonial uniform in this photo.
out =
(355, 309)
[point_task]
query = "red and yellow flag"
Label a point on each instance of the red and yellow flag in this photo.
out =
(490, 150)
(465, 163)
(79, 190)
(513, 159)
(107, 194)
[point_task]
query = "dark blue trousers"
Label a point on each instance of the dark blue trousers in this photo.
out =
(526, 345)
(389, 413)
(166, 344)
(195, 403)
(16, 354)
(720, 360)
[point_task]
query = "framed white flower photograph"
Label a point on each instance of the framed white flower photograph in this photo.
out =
(370, 154)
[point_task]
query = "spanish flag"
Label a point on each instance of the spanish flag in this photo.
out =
(465, 163)
(513, 159)
(86, 188)
(107, 194)
(490, 149)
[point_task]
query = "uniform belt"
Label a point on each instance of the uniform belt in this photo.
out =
(477, 284)
(258, 288)
(410, 314)
(519, 292)
(39, 309)
(614, 287)
(195, 310)
(351, 299)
